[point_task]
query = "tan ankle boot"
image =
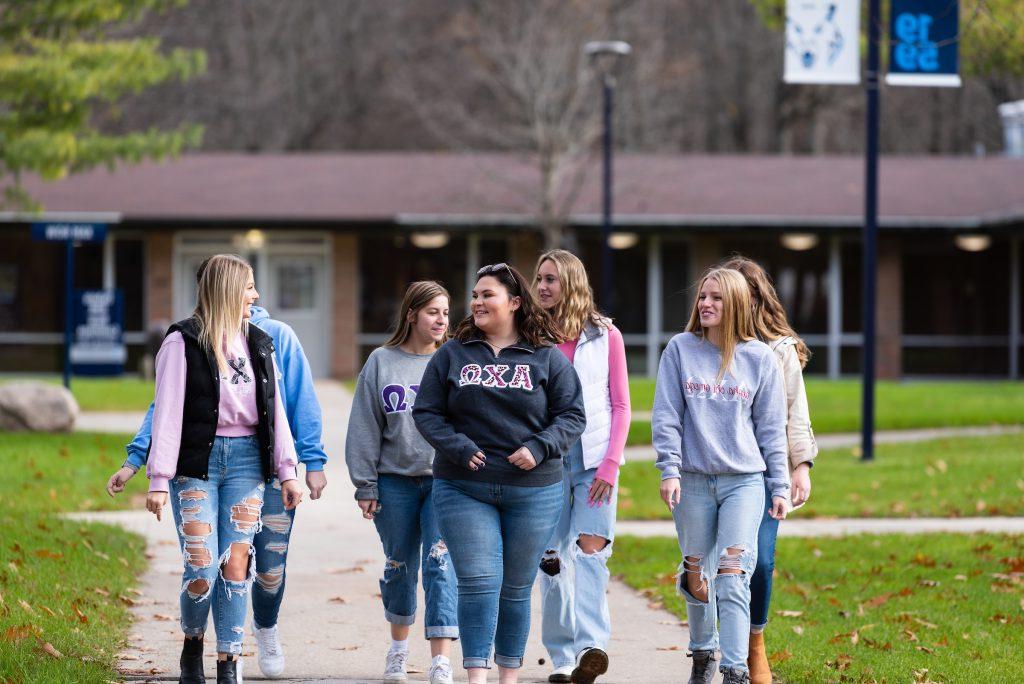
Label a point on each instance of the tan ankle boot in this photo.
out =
(757, 661)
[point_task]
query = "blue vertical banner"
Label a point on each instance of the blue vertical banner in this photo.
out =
(924, 41)
(97, 340)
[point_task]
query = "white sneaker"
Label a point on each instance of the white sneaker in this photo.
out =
(394, 666)
(561, 674)
(271, 655)
(440, 671)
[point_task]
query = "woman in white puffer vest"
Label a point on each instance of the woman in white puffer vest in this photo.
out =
(576, 623)
(771, 326)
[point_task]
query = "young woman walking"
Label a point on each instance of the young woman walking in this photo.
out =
(772, 327)
(574, 570)
(220, 434)
(390, 466)
(719, 428)
(501, 406)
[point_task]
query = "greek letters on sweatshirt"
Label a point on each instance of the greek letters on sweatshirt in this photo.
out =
(472, 399)
(736, 426)
(382, 436)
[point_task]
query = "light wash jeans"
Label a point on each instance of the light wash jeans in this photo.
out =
(271, 544)
(495, 534)
(218, 512)
(408, 531)
(717, 513)
(573, 584)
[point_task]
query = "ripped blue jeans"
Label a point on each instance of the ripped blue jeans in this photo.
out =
(408, 531)
(717, 521)
(216, 518)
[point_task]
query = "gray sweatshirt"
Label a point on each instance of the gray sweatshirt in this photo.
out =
(382, 437)
(736, 426)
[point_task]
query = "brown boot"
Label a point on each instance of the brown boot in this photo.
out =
(757, 661)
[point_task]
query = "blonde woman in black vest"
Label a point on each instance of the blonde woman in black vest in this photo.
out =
(220, 434)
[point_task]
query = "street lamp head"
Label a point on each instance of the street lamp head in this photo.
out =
(606, 56)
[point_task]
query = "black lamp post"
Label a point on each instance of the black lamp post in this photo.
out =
(606, 58)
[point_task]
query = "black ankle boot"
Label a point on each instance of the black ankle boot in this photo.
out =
(191, 662)
(229, 671)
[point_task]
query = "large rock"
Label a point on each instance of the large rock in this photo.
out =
(37, 407)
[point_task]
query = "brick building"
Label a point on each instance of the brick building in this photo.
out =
(335, 238)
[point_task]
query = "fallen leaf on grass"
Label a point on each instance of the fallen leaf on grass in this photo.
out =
(925, 623)
(1013, 564)
(46, 553)
(789, 613)
(19, 632)
(49, 650)
(841, 663)
(780, 657)
(48, 611)
(82, 617)
(960, 578)
(101, 592)
(798, 629)
(925, 649)
(908, 635)
(853, 636)
(24, 604)
(928, 583)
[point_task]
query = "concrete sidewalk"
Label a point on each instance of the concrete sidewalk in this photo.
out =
(332, 623)
(847, 440)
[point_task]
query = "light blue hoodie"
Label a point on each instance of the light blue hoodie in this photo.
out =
(295, 385)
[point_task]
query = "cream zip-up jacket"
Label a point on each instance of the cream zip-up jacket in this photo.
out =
(802, 447)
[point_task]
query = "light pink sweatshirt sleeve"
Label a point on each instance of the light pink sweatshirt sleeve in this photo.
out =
(165, 442)
(618, 389)
(285, 458)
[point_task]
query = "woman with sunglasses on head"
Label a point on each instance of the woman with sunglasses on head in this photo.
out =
(574, 569)
(772, 328)
(390, 466)
(500, 405)
(719, 428)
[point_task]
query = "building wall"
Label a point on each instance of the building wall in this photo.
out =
(345, 303)
(889, 317)
(159, 277)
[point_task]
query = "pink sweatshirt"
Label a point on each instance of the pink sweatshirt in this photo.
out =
(618, 389)
(236, 415)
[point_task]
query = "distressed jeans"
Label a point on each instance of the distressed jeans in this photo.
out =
(408, 531)
(573, 584)
(271, 546)
(212, 517)
(716, 516)
(495, 534)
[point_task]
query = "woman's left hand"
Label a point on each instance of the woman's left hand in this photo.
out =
(800, 490)
(523, 458)
(291, 494)
(600, 492)
(780, 508)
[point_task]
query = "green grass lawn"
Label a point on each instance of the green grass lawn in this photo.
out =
(965, 476)
(64, 585)
(102, 394)
(892, 608)
(835, 405)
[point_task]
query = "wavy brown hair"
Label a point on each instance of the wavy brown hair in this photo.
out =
(416, 298)
(770, 322)
(532, 322)
(736, 325)
(576, 307)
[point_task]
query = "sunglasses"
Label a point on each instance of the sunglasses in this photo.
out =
(494, 268)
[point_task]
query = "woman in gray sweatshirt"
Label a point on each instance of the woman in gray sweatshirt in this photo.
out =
(390, 466)
(719, 427)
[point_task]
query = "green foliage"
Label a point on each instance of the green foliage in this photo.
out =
(966, 476)
(991, 33)
(64, 585)
(891, 608)
(58, 68)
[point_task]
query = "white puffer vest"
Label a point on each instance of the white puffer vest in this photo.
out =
(591, 363)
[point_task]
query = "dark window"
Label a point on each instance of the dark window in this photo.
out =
(629, 283)
(853, 316)
(129, 263)
(677, 285)
(956, 361)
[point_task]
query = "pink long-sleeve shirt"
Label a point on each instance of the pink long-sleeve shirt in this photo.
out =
(618, 390)
(237, 415)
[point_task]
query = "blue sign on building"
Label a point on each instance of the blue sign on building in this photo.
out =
(75, 232)
(97, 339)
(924, 41)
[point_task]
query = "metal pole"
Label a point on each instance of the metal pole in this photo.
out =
(1014, 308)
(870, 258)
(606, 228)
(69, 290)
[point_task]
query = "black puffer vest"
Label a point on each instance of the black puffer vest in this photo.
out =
(202, 399)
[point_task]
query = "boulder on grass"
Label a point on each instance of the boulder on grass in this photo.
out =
(37, 407)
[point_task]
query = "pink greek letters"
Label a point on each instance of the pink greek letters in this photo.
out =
(493, 375)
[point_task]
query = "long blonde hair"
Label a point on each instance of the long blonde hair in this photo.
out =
(219, 305)
(417, 296)
(769, 318)
(576, 307)
(736, 325)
